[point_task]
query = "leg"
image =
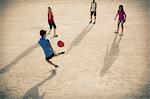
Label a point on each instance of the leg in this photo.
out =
(57, 54)
(54, 31)
(118, 26)
(94, 17)
(50, 26)
(51, 63)
(91, 17)
(122, 27)
(54, 25)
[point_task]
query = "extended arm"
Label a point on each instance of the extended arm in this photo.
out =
(116, 15)
(95, 6)
(125, 15)
(91, 7)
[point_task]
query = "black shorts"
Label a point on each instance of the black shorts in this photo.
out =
(52, 25)
(121, 21)
(50, 57)
(93, 12)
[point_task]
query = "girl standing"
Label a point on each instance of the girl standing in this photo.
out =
(121, 19)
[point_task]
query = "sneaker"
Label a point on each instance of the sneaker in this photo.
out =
(90, 22)
(116, 32)
(55, 35)
(61, 53)
(56, 66)
(94, 22)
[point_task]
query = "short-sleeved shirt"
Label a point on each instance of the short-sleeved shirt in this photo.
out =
(45, 44)
(93, 6)
(50, 14)
(121, 15)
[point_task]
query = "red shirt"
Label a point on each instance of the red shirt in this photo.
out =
(50, 17)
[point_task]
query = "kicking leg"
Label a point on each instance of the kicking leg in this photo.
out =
(50, 62)
(57, 54)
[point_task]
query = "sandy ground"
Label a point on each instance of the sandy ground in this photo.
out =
(99, 64)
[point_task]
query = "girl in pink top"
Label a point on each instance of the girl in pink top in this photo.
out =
(121, 19)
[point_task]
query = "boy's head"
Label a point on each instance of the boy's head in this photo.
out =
(43, 33)
(93, 0)
(49, 8)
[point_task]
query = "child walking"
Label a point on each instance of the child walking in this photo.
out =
(51, 21)
(121, 19)
(47, 48)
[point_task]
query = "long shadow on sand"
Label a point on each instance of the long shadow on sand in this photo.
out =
(18, 58)
(32, 48)
(33, 93)
(111, 55)
(79, 38)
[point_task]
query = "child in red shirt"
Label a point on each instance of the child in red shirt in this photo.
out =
(51, 21)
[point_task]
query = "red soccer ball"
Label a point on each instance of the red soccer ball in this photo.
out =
(60, 43)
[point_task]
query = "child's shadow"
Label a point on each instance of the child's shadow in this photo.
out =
(111, 55)
(18, 58)
(33, 93)
(80, 37)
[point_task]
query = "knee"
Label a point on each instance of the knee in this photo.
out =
(122, 24)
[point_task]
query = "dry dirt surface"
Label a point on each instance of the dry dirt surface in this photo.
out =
(98, 64)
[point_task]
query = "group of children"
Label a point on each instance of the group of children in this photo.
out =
(45, 43)
(120, 13)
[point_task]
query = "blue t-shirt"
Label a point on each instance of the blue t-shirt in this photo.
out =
(45, 44)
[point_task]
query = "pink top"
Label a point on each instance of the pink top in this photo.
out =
(121, 15)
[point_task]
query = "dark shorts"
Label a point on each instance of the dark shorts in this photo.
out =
(50, 57)
(121, 21)
(93, 12)
(52, 25)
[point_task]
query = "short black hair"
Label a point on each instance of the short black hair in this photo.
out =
(121, 6)
(42, 32)
(49, 7)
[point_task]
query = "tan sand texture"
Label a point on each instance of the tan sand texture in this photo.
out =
(98, 64)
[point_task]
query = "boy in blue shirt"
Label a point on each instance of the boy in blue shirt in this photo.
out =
(47, 48)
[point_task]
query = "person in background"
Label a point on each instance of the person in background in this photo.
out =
(51, 21)
(93, 11)
(121, 19)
